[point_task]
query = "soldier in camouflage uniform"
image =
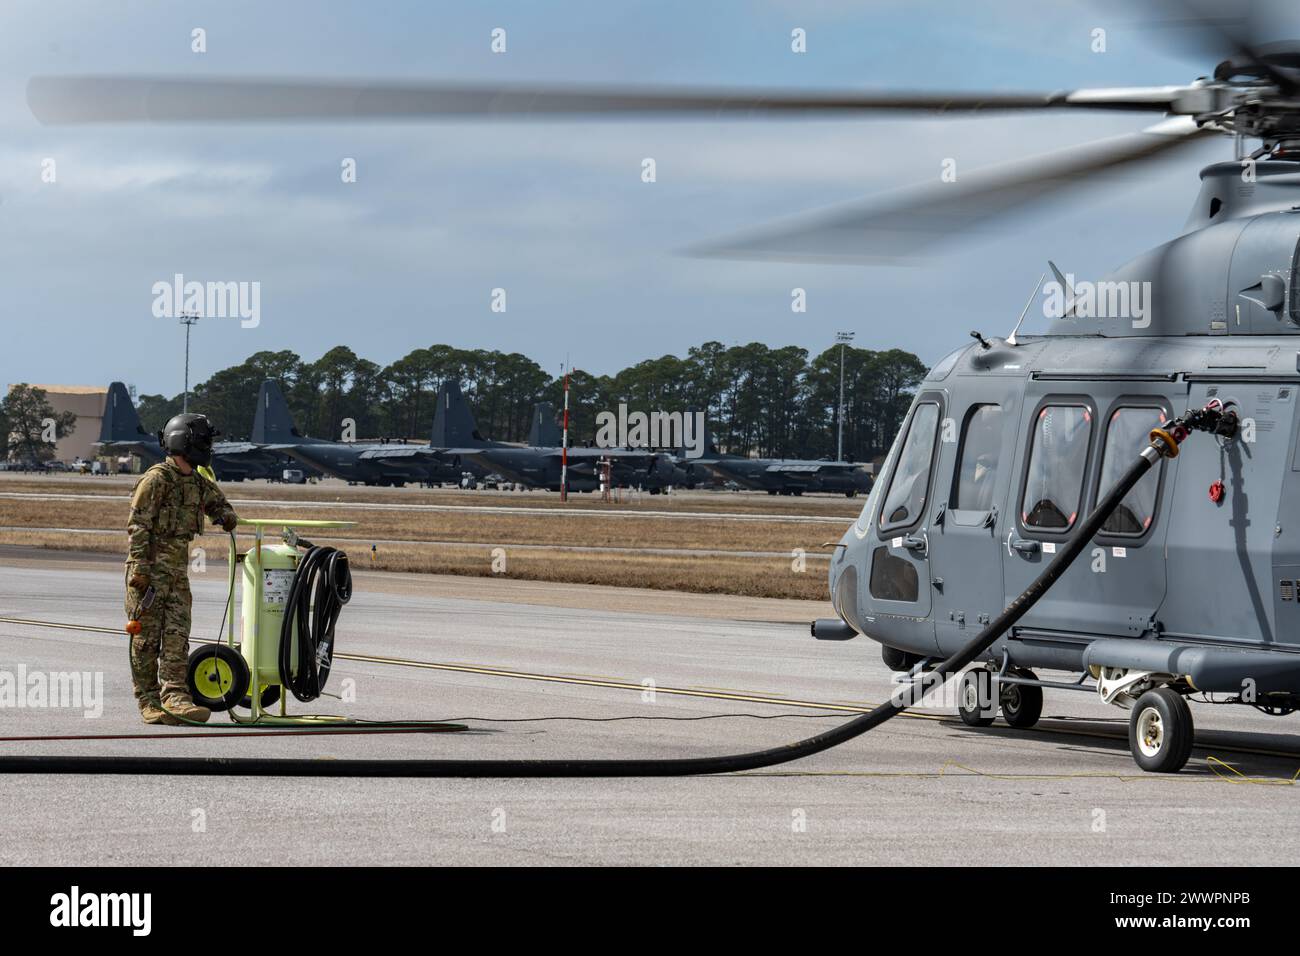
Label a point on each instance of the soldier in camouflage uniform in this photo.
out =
(167, 509)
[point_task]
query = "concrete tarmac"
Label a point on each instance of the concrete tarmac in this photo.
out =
(920, 790)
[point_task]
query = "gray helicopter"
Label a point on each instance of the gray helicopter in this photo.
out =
(1192, 586)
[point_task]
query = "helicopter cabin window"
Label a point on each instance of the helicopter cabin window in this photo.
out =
(1126, 436)
(910, 484)
(1054, 480)
(977, 469)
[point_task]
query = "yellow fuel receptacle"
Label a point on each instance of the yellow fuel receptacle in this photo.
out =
(267, 576)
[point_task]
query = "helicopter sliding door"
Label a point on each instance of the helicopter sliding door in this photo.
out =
(970, 503)
(1232, 550)
(1078, 439)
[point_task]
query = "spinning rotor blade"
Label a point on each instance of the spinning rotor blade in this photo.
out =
(1229, 27)
(867, 231)
(118, 99)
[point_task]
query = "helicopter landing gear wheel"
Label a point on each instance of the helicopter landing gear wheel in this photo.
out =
(898, 661)
(975, 703)
(217, 677)
(1022, 704)
(1160, 731)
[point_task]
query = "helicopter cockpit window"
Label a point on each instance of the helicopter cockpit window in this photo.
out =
(977, 471)
(945, 365)
(1295, 285)
(1054, 482)
(1126, 436)
(910, 484)
(877, 488)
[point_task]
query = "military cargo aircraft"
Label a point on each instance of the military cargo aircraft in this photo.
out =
(789, 476)
(456, 432)
(368, 463)
(121, 433)
(776, 476)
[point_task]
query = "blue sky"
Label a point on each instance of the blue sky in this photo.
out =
(555, 213)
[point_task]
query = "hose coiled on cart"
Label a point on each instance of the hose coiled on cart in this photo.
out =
(321, 586)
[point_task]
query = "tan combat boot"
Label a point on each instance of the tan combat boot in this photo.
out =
(153, 714)
(187, 710)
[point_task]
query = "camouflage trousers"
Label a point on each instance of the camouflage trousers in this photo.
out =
(160, 652)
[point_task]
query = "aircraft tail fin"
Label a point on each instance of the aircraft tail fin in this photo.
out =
(453, 422)
(273, 423)
(120, 422)
(545, 431)
(707, 446)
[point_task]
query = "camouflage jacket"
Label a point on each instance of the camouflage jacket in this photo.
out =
(167, 510)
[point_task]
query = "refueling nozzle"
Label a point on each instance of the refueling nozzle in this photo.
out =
(294, 540)
(1215, 418)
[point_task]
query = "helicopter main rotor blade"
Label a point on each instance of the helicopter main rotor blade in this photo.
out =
(1230, 27)
(867, 231)
(125, 99)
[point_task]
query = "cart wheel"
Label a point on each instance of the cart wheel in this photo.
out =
(217, 676)
(1160, 731)
(975, 701)
(1022, 704)
(270, 695)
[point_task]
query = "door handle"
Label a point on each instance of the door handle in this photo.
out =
(915, 543)
(1024, 545)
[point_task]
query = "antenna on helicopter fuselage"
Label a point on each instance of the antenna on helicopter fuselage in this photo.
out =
(1011, 339)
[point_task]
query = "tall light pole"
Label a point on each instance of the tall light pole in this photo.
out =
(843, 338)
(564, 448)
(188, 319)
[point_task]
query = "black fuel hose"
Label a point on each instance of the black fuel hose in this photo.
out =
(322, 584)
(904, 697)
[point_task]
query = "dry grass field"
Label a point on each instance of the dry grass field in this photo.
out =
(739, 503)
(687, 542)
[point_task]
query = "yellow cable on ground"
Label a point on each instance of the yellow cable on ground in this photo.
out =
(1236, 777)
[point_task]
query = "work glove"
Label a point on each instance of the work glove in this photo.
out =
(138, 581)
(229, 521)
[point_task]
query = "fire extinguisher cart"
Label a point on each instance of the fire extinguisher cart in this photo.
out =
(245, 672)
